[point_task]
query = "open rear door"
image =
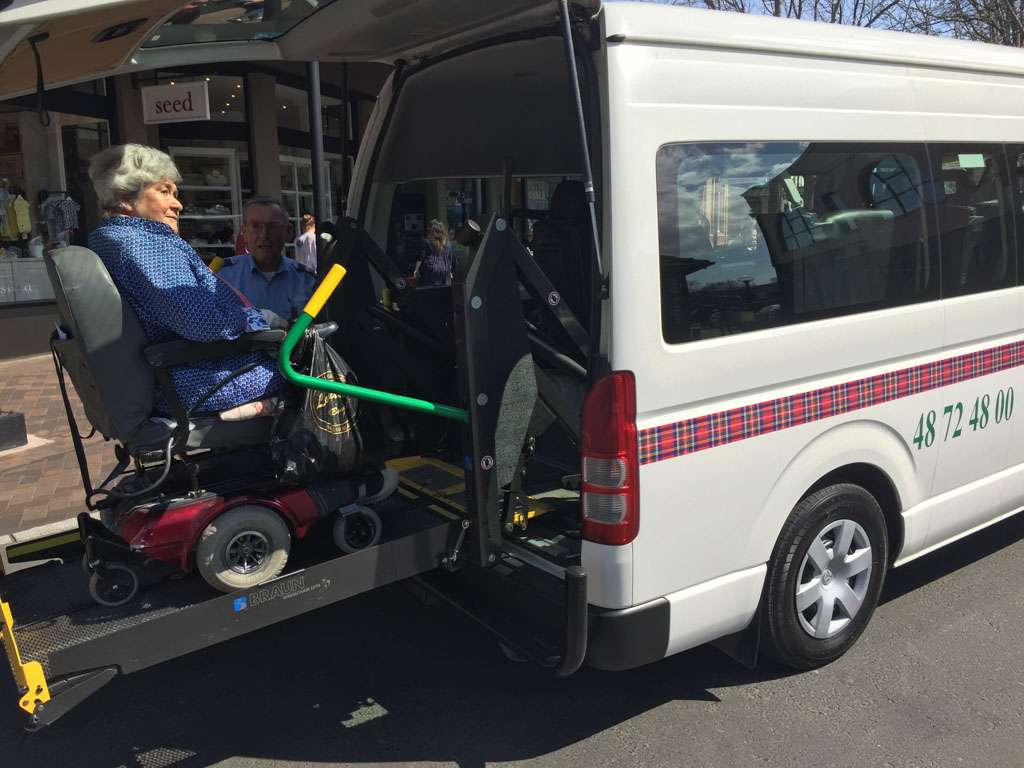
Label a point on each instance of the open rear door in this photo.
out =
(106, 37)
(75, 41)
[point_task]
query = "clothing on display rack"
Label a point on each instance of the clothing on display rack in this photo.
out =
(5, 199)
(60, 212)
(17, 223)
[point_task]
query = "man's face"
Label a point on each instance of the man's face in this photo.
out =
(266, 231)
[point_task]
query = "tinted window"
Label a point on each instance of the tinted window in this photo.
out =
(973, 207)
(755, 235)
(1015, 162)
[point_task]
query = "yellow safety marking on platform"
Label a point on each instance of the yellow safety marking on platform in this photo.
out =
(28, 675)
(17, 550)
(412, 462)
(536, 507)
(452, 490)
(433, 507)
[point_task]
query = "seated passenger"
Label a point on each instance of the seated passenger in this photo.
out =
(173, 293)
(176, 296)
(265, 275)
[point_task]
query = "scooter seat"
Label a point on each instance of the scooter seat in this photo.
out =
(206, 432)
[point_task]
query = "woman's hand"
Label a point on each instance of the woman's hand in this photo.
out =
(274, 320)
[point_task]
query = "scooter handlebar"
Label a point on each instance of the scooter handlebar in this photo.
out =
(324, 291)
(327, 287)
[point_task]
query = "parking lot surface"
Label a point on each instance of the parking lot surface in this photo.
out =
(937, 680)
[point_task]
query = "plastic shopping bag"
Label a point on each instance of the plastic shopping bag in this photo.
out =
(317, 436)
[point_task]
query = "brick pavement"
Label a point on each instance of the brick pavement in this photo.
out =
(42, 485)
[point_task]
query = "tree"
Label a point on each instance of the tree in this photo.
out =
(990, 21)
(860, 13)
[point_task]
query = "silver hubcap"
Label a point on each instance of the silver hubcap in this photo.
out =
(833, 579)
(246, 552)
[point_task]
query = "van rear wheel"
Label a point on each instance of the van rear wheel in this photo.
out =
(825, 576)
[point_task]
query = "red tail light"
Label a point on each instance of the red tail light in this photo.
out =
(611, 462)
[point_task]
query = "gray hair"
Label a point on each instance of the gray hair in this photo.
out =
(119, 174)
(264, 200)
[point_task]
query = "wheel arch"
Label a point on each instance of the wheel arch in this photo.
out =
(876, 482)
(864, 452)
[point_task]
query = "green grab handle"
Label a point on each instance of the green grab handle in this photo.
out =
(299, 327)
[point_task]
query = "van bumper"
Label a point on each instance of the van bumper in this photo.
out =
(628, 637)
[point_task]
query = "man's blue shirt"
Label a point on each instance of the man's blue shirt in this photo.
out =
(175, 295)
(285, 292)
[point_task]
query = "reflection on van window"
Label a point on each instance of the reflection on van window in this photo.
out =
(974, 218)
(755, 235)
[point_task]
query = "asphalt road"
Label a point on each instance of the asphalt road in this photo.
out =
(937, 680)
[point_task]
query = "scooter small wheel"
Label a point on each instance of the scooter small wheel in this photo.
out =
(356, 528)
(115, 587)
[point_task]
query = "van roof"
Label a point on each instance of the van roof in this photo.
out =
(647, 23)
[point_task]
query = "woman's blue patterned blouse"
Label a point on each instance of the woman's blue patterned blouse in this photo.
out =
(175, 295)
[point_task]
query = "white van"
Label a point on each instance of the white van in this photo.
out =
(788, 365)
(813, 318)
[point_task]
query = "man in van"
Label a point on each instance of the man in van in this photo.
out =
(268, 278)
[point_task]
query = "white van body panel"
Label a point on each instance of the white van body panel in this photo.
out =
(713, 609)
(677, 75)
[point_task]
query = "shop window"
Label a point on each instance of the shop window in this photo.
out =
(292, 108)
(297, 187)
(211, 194)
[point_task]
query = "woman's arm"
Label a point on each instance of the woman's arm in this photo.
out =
(185, 297)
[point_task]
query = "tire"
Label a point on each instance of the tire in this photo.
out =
(119, 585)
(242, 548)
(356, 528)
(836, 599)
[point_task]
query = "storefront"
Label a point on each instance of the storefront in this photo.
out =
(255, 141)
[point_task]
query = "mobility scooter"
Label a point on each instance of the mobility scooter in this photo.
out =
(193, 492)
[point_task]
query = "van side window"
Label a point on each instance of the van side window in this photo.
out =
(1015, 162)
(972, 198)
(754, 235)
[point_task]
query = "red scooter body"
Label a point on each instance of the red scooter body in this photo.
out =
(169, 532)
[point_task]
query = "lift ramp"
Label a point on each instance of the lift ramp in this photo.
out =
(62, 647)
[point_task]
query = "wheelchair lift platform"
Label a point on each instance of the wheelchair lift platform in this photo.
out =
(63, 647)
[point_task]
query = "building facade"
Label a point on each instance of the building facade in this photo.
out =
(256, 141)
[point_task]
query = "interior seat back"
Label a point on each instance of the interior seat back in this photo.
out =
(562, 247)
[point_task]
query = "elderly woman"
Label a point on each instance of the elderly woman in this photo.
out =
(172, 291)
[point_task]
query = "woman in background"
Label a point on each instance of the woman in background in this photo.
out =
(305, 244)
(434, 267)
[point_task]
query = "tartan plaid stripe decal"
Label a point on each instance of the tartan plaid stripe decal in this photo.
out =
(702, 432)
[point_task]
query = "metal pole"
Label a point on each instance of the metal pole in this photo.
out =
(588, 172)
(596, 364)
(343, 179)
(316, 135)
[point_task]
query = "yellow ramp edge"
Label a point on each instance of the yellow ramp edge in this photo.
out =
(29, 676)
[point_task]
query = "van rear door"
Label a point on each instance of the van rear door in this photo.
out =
(83, 40)
(106, 37)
